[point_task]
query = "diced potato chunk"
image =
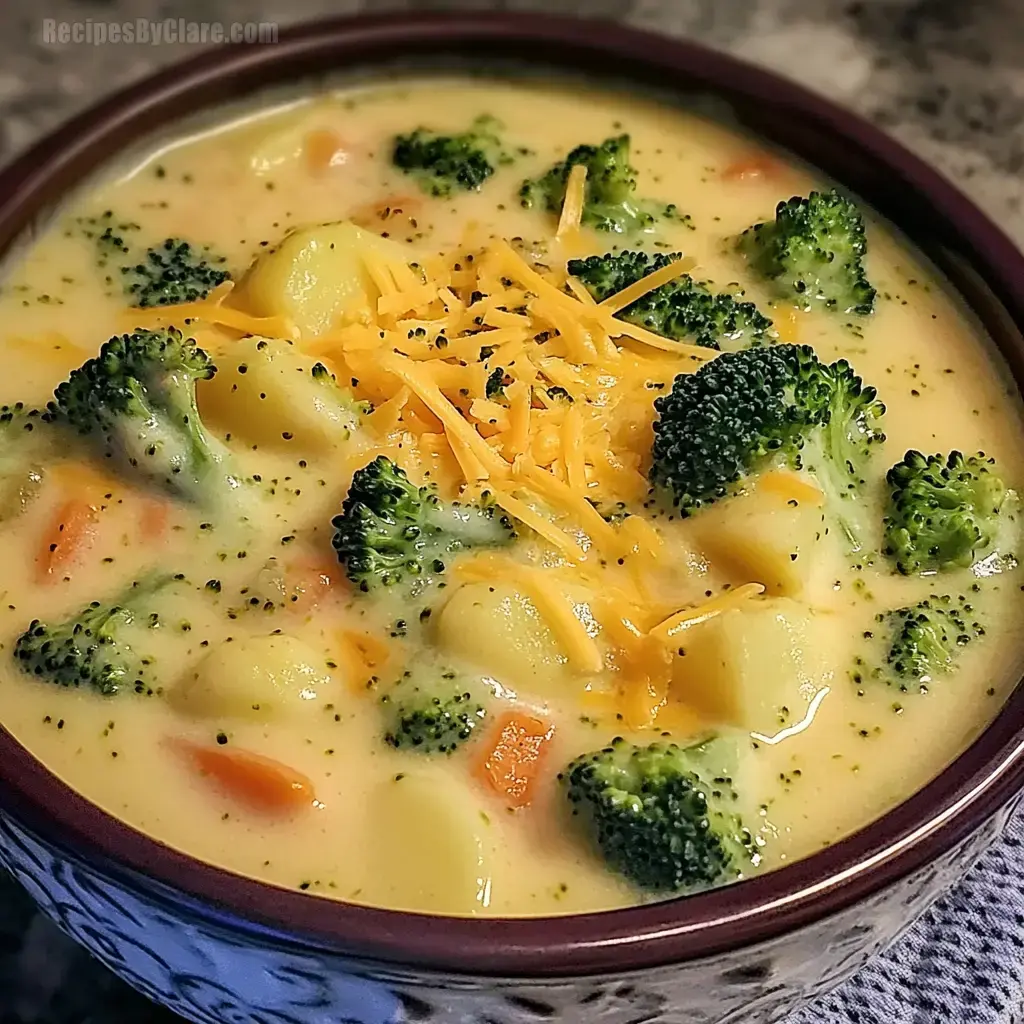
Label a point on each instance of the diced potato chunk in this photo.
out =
(265, 392)
(499, 630)
(316, 276)
(756, 666)
(258, 678)
(428, 813)
(769, 538)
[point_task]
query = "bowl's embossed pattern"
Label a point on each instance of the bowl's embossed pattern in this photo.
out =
(216, 975)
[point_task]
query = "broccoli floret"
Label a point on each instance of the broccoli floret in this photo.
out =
(918, 643)
(444, 163)
(609, 202)
(746, 411)
(814, 250)
(173, 272)
(661, 815)
(23, 454)
(683, 309)
(559, 394)
(392, 532)
(93, 649)
(944, 511)
(495, 385)
(431, 712)
(138, 399)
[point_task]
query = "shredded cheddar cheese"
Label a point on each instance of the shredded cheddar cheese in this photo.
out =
(688, 617)
(548, 445)
(540, 525)
(211, 310)
(637, 290)
(572, 206)
(791, 487)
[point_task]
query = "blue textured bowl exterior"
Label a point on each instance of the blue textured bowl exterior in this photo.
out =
(227, 973)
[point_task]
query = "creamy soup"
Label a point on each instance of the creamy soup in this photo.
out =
(234, 620)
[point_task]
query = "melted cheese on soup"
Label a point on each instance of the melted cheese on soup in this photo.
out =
(247, 721)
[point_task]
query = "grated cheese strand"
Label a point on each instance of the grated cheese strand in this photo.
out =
(572, 205)
(457, 429)
(212, 310)
(385, 418)
(553, 605)
(623, 328)
(517, 268)
(517, 440)
(576, 506)
(790, 487)
(688, 617)
(558, 611)
(411, 300)
(637, 290)
(380, 272)
(572, 449)
(543, 527)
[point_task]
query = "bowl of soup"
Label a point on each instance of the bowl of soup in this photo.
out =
(504, 518)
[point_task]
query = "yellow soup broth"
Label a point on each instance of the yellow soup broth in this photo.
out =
(256, 684)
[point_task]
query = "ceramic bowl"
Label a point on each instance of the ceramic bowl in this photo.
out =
(219, 948)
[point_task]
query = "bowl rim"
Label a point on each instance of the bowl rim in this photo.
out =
(923, 829)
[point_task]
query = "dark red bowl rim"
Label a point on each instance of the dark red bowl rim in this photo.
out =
(983, 263)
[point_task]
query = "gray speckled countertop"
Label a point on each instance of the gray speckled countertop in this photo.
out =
(944, 76)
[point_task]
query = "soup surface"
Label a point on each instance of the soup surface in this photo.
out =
(389, 707)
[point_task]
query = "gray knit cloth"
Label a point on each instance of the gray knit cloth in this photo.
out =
(963, 963)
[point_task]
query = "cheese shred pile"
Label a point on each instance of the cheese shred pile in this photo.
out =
(490, 370)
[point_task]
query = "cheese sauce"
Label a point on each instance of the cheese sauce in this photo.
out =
(265, 648)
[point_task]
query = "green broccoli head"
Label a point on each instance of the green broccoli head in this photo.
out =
(683, 309)
(442, 164)
(814, 251)
(431, 711)
(916, 644)
(495, 385)
(138, 399)
(392, 532)
(171, 273)
(609, 201)
(661, 815)
(944, 511)
(746, 411)
(92, 648)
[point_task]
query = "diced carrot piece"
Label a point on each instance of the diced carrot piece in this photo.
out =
(755, 167)
(513, 759)
(310, 581)
(153, 518)
(372, 649)
(68, 534)
(362, 656)
(260, 783)
(323, 149)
